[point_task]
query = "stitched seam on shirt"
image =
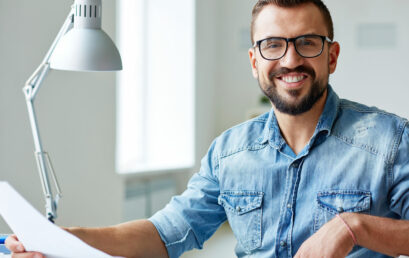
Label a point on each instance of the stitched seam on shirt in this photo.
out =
(365, 147)
(360, 108)
(199, 243)
(394, 150)
(180, 240)
(254, 120)
(290, 158)
(209, 179)
(215, 171)
(250, 148)
(282, 209)
(293, 200)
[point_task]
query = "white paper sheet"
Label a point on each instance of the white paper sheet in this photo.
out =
(36, 232)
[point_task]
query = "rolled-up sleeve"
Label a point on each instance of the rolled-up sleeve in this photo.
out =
(192, 217)
(399, 195)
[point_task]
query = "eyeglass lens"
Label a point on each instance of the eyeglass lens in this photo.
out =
(306, 46)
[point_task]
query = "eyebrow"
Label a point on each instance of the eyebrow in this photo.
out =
(306, 33)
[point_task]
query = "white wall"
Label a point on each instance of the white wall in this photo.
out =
(75, 113)
(372, 75)
(207, 48)
(236, 89)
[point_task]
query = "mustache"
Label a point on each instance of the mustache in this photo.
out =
(300, 69)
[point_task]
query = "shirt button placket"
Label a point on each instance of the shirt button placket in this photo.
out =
(294, 167)
(284, 246)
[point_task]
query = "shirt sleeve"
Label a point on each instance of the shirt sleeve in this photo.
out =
(192, 217)
(399, 194)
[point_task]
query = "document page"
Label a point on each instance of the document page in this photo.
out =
(36, 232)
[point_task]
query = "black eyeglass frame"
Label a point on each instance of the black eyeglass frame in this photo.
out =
(287, 40)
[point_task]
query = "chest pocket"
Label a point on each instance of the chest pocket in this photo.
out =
(244, 211)
(332, 202)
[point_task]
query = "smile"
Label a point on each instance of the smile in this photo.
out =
(292, 79)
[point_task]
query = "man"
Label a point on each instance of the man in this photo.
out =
(316, 177)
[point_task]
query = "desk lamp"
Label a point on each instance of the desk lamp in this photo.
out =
(80, 45)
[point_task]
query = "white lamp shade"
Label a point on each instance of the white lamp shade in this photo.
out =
(83, 49)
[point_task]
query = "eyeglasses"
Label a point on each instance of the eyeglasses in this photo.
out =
(308, 46)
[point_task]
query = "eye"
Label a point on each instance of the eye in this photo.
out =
(310, 42)
(307, 42)
(272, 44)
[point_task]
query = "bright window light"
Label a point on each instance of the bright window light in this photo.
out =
(155, 90)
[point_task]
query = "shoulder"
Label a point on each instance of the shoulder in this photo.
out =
(353, 115)
(370, 128)
(245, 136)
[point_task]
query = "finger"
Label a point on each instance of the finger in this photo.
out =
(27, 255)
(13, 244)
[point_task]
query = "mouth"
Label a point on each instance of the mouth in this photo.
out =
(292, 80)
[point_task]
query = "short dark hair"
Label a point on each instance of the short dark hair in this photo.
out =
(291, 3)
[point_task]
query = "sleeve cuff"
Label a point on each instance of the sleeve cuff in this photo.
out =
(174, 232)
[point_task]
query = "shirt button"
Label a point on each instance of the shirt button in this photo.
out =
(283, 244)
(340, 209)
(295, 165)
(289, 206)
(238, 208)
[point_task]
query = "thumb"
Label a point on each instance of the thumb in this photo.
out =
(13, 244)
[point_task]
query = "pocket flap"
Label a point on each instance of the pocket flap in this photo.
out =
(338, 201)
(240, 202)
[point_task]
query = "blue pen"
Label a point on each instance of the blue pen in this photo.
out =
(2, 239)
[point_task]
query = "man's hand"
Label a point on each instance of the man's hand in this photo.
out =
(137, 238)
(17, 249)
(331, 240)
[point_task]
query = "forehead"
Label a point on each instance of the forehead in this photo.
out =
(289, 21)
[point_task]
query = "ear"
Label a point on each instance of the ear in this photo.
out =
(334, 50)
(253, 62)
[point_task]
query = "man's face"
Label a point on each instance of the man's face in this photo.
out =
(293, 83)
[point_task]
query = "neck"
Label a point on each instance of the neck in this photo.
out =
(297, 130)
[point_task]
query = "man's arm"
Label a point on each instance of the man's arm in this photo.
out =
(131, 239)
(383, 235)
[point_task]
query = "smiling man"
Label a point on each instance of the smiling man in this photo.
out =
(318, 176)
(292, 58)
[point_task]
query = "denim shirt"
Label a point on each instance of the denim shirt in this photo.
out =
(356, 161)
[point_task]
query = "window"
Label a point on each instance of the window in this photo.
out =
(155, 90)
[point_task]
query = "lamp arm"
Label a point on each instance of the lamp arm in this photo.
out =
(30, 91)
(35, 80)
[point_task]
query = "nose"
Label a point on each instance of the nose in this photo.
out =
(291, 59)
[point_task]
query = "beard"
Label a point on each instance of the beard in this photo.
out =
(303, 105)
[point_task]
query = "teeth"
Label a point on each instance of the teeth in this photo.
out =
(292, 78)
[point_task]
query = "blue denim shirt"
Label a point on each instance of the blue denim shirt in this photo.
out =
(356, 161)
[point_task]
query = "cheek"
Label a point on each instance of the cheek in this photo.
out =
(265, 68)
(321, 68)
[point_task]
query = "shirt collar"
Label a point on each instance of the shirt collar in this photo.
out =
(328, 116)
(272, 132)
